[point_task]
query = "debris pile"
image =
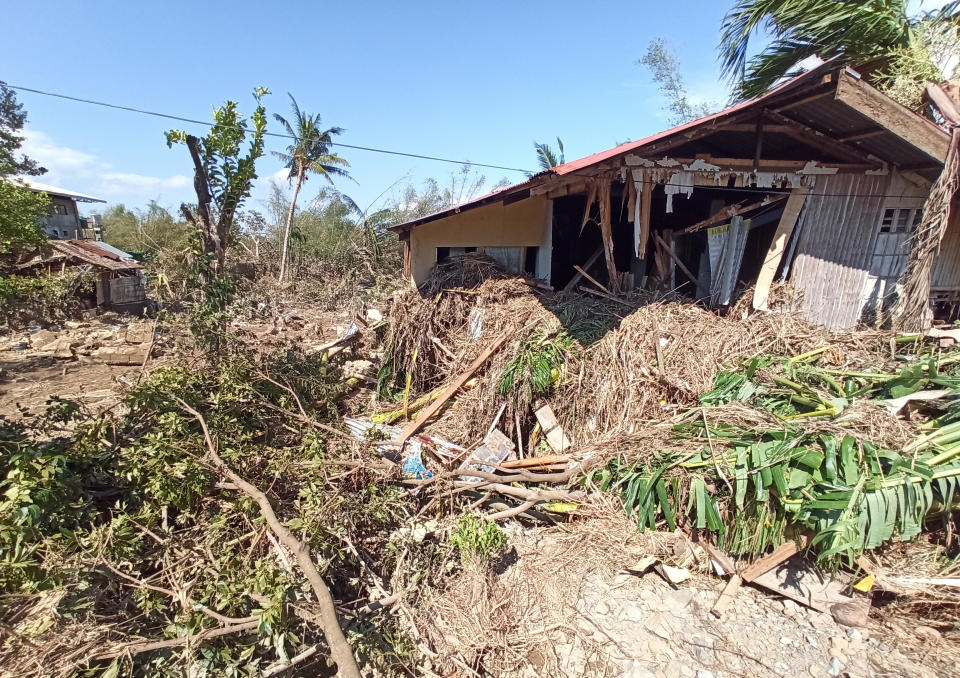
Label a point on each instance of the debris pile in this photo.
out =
(756, 434)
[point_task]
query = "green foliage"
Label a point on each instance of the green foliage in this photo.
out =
(40, 298)
(477, 541)
(665, 70)
(20, 213)
(755, 488)
(83, 498)
(863, 32)
(12, 119)
(536, 366)
(547, 158)
(224, 176)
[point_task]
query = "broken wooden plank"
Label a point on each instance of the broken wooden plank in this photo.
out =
(676, 259)
(586, 265)
(721, 559)
(646, 194)
(781, 554)
(454, 386)
(606, 232)
(551, 429)
(591, 279)
(727, 595)
(788, 220)
(803, 583)
(730, 211)
(545, 460)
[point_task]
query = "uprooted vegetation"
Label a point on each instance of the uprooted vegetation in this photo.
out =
(130, 546)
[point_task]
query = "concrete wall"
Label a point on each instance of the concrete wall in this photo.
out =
(56, 225)
(520, 224)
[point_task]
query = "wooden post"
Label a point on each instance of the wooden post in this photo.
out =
(405, 238)
(788, 220)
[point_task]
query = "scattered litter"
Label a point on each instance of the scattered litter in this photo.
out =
(413, 465)
(672, 575)
(496, 448)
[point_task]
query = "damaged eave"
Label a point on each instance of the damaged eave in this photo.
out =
(893, 117)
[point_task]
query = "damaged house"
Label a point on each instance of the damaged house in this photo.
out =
(820, 182)
(119, 285)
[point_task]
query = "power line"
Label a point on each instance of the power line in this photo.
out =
(178, 118)
(414, 155)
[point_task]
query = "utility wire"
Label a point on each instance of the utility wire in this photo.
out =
(732, 189)
(271, 134)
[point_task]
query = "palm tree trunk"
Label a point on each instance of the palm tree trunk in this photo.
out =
(286, 231)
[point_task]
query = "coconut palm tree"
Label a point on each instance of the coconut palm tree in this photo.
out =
(546, 157)
(308, 152)
(878, 37)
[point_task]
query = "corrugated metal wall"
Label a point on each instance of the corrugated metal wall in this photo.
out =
(837, 230)
(127, 290)
(946, 269)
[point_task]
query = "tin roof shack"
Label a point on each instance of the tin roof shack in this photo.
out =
(819, 182)
(120, 285)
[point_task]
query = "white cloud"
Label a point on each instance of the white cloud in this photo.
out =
(88, 173)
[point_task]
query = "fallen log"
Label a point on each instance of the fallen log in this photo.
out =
(340, 650)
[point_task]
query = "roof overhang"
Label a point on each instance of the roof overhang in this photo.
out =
(58, 192)
(828, 108)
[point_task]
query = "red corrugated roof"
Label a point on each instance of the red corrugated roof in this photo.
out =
(589, 160)
(88, 252)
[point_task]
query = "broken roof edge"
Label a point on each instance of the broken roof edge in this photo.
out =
(808, 78)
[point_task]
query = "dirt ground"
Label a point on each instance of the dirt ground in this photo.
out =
(565, 605)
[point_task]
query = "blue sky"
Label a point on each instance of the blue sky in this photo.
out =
(475, 82)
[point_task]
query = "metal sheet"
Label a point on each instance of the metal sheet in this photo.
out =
(837, 230)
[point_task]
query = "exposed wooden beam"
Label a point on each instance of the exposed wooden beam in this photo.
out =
(731, 211)
(788, 220)
(786, 166)
(804, 100)
(893, 117)
(818, 139)
(865, 134)
(758, 148)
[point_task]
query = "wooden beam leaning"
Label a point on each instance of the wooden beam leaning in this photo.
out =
(587, 264)
(788, 220)
(450, 390)
(670, 253)
(893, 117)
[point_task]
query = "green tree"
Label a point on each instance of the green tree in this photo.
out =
(878, 37)
(223, 176)
(20, 208)
(309, 152)
(665, 69)
(20, 213)
(12, 119)
(547, 158)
